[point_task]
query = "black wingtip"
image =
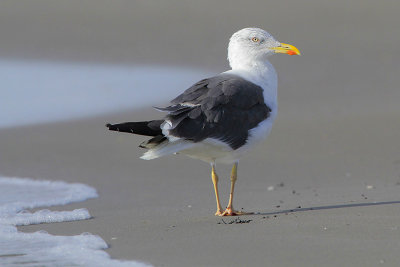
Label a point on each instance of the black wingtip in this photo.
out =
(110, 127)
(148, 128)
(113, 127)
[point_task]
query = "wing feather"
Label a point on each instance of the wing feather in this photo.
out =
(224, 107)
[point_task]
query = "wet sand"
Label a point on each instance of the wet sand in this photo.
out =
(325, 183)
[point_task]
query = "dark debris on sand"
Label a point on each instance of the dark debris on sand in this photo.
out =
(237, 220)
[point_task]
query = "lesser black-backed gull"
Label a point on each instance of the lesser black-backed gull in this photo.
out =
(219, 119)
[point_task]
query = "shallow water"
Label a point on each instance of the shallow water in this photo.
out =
(37, 92)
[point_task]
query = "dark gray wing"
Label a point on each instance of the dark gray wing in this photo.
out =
(224, 107)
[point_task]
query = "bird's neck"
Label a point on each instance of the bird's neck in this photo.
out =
(260, 68)
(256, 71)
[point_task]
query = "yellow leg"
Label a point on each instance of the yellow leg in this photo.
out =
(233, 180)
(214, 178)
(229, 209)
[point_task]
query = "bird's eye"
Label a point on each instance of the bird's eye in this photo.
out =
(255, 39)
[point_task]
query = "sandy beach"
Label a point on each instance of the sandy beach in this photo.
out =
(326, 183)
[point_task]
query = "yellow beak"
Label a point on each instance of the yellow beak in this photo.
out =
(286, 49)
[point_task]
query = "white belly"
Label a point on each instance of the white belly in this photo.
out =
(212, 150)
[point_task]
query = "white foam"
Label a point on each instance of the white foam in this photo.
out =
(36, 92)
(41, 248)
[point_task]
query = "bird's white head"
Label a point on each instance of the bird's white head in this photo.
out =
(250, 47)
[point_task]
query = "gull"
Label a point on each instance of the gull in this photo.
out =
(219, 119)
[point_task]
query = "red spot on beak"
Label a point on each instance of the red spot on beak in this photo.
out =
(291, 52)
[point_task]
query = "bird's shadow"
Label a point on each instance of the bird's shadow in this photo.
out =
(340, 206)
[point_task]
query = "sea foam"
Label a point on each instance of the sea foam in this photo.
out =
(40, 248)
